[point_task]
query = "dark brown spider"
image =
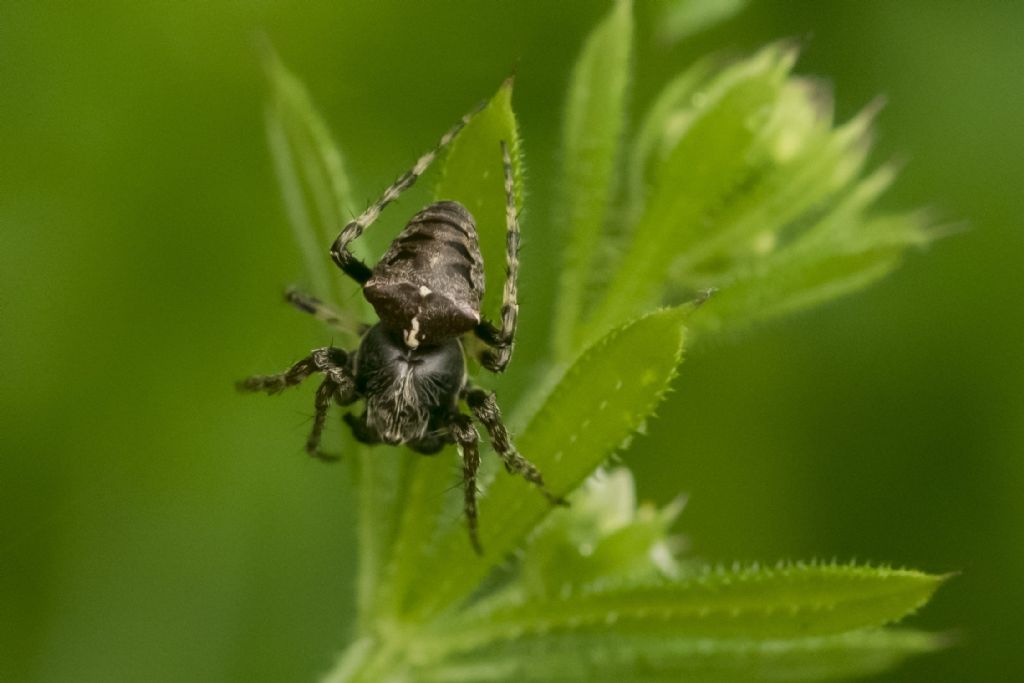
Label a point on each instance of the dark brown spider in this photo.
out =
(410, 368)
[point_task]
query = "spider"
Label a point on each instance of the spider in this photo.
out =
(410, 367)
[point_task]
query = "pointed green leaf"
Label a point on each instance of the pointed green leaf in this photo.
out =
(603, 398)
(306, 236)
(311, 170)
(669, 111)
(612, 658)
(784, 602)
(793, 286)
(594, 115)
(681, 19)
(473, 175)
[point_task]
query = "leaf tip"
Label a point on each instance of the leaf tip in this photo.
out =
(791, 47)
(673, 318)
(273, 67)
(784, 52)
(510, 81)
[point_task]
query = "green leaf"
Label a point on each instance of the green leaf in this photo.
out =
(611, 658)
(669, 111)
(594, 115)
(381, 488)
(715, 153)
(473, 174)
(423, 508)
(311, 171)
(784, 602)
(603, 398)
(681, 19)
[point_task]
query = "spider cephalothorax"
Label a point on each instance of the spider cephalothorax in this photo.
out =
(409, 368)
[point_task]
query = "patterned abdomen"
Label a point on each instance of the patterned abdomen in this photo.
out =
(429, 284)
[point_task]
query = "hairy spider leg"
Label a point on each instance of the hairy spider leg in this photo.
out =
(307, 303)
(467, 439)
(485, 409)
(273, 384)
(352, 266)
(501, 340)
(338, 386)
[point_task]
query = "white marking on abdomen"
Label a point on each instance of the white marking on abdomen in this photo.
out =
(410, 335)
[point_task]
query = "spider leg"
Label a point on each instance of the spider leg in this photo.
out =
(352, 266)
(324, 393)
(307, 303)
(338, 386)
(467, 440)
(501, 340)
(328, 360)
(485, 409)
(273, 384)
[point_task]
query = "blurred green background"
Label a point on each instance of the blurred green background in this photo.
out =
(156, 526)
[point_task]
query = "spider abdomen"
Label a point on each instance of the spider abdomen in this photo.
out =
(429, 284)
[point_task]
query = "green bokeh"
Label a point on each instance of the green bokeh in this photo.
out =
(156, 526)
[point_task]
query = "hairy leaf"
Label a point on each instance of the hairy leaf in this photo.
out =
(611, 658)
(784, 602)
(311, 171)
(669, 112)
(381, 494)
(593, 123)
